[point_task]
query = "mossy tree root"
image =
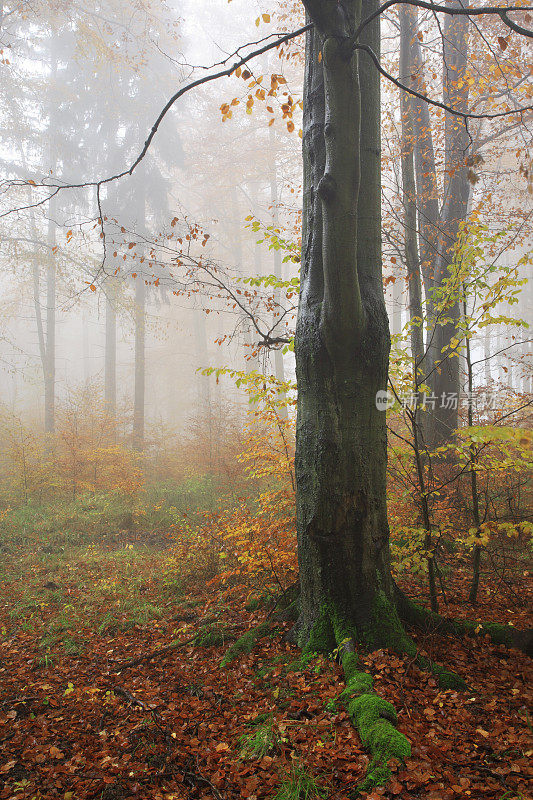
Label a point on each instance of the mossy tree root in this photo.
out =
(246, 643)
(417, 616)
(373, 717)
(287, 612)
(375, 720)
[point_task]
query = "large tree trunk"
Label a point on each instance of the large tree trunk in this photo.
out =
(342, 340)
(342, 347)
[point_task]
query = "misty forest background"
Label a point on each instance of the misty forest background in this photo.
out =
(148, 406)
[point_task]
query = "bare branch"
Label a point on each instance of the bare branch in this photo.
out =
(465, 115)
(499, 11)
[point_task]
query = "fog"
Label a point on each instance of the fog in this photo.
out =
(83, 86)
(266, 394)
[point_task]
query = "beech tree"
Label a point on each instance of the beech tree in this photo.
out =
(347, 592)
(342, 346)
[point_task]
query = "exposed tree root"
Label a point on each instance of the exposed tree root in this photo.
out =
(287, 610)
(417, 616)
(373, 717)
(246, 643)
(153, 654)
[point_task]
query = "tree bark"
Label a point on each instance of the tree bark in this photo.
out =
(50, 354)
(438, 227)
(342, 337)
(424, 152)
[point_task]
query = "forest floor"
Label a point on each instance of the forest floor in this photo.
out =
(266, 726)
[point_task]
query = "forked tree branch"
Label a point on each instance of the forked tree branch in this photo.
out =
(498, 11)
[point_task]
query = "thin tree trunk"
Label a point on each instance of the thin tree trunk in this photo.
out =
(140, 363)
(50, 354)
(200, 336)
(487, 355)
(250, 360)
(425, 164)
(279, 369)
(85, 347)
(476, 517)
(397, 322)
(50, 357)
(110, 367)
(412, 261)
(415, 287)
(445, 377)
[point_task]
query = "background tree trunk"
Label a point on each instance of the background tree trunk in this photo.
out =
(50, 357)
(445, 376)
(140, 362)
(110, 369)
(279, 368)
(412, 261)
(438, 227)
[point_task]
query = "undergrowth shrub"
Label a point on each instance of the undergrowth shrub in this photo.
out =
(250, 540)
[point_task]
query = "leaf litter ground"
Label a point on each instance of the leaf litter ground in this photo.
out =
(180, 726)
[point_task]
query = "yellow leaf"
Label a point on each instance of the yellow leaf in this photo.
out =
(266, 17)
